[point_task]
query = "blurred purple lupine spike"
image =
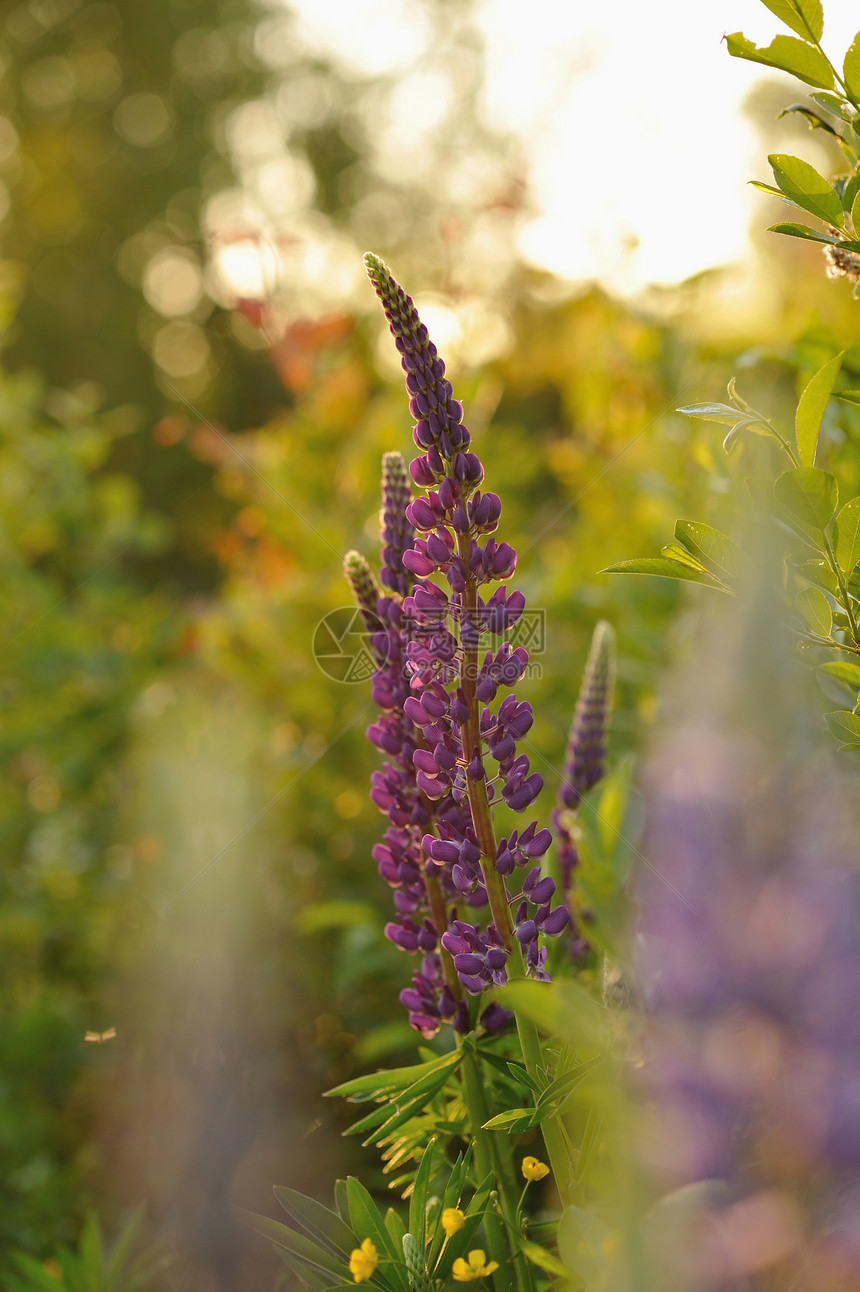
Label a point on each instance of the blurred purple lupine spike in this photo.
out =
(454, 745)
(396, 532)
(585, 760)
(364, 587)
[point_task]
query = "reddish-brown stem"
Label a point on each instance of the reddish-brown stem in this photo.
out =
(471, 736)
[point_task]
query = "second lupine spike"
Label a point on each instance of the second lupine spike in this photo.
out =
(585, 758)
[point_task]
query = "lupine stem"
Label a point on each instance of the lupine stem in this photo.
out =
(485, 1155)
(483, 824)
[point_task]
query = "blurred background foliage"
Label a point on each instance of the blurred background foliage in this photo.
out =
(195, 396)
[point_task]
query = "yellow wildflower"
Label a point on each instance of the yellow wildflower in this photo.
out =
(533, 1169)
(453, 1220)
(475, 1268)
(363, 1261)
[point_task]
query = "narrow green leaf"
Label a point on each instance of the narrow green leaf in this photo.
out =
(378, 1085)
(844, 724)
(723, 413)
(514, 1120)
(666, 569)
(543, 1259)
(395, 1226)
(802, 16)
(774, 192)
(815, 610)
(323, 1225)
(420, 1194)
(847, 536)
(803, 61)
(803, 184)
(803, 231)
(810, 409)
(712, 549)
(844, 670)
(298, 1245)
(808, 494)
(675, 552)
(366, 1222)
(461, 1242)
(815, 121)
(851, 68)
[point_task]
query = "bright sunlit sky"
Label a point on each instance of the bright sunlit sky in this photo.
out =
(630, 113)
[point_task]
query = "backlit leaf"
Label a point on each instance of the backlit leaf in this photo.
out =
(845, 725)
(665, 568)
(847, 542)
(804, 231)
(803, 61)
(851, 67)
(803, 184)
(803, 16)
(844, 670)
(815, 610)
(711, 548)
(808, 494)
(810, 409)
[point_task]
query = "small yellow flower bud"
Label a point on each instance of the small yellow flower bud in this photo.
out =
(533, 1169)
(475, 1268)
(363, 1261)
(453, 1221)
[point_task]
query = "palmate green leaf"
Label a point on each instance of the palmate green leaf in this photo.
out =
(845, 726)
(808, 494)
(407, 1104)
(851, 67)
(715, 551)
(664, 568)
(795, 56)
(366, 1222)
(815, 611)
(811, 408)
(844, 670)
(804, 231)
(847, 536)
(802, 16)
(380, 1085)
(803, 184)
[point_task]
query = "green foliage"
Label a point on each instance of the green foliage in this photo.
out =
(93, 1266)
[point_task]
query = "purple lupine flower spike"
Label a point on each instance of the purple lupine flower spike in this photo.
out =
(459, 734)
(397, 533)
(585, 760)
